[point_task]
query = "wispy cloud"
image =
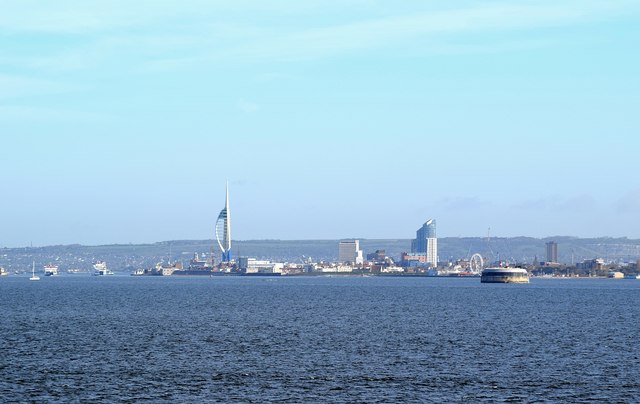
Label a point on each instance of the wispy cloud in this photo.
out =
(83, 17)
(247, 106)
(577, 203)
(382, 32)
(79, 17)
(629, 202)
(21, 113)
(532, 204)
(198, 32)
(574, 203)
(462, 203)
(16, 86)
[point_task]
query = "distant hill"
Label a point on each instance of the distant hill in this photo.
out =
(129, 256)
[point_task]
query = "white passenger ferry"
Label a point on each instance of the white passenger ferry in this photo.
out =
(50, 270)
(100, 268)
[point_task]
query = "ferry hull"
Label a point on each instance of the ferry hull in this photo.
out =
(504, 275)
(503, 279)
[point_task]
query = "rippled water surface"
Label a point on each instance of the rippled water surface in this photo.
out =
(355, 339)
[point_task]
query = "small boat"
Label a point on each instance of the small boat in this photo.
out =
(138, 272)
(3, 272)
(34, 277)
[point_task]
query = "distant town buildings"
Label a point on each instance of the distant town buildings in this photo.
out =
(552, 251)
(413, 259)
(378, 256)
(593, 264)
(426, 242)
(421, 261)
(349, 251)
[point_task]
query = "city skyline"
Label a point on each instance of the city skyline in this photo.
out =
(331, 120)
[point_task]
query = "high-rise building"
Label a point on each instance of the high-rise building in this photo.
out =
(349, 251)
(426, 242)
(552, 251)
(223, 229)
(432, 251)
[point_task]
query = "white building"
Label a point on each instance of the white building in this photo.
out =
(252, 265)
(432, 251)
(349, 251)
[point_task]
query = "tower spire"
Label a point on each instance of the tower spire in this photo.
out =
(223, 228)
(228, 225)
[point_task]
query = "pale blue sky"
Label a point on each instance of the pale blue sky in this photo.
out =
(120, 122)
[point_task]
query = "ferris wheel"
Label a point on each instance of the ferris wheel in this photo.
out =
(476, 263)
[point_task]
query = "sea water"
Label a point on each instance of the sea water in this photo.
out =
(77, 338)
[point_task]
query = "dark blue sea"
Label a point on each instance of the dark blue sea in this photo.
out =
(78, 338)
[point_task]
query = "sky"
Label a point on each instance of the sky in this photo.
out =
(121, 122)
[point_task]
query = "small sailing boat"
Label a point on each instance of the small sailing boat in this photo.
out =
(34, 277)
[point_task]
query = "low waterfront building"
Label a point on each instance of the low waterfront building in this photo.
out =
(338, 268)
(389, 270)
(415, 260)
(252, 265)
(168, 269)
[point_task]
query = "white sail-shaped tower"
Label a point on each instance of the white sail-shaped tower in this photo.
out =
(223, 229)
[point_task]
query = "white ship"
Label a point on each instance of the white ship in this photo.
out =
(100, 268)
(3, 272)
(50, 270)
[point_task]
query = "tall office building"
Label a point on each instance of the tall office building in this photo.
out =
(223, 229)
(552, 251)
(426, 242)
(349, 251)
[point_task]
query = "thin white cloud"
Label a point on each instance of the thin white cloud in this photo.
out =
(382, 32)
(80, 17)
(577, 204)
(91, 16)
(161, 36)
(14, 86)
(21, 113)
(39, 18)
(573, 203)
(247, 106)
(462, 203)
(629, 203)
(539, 204)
